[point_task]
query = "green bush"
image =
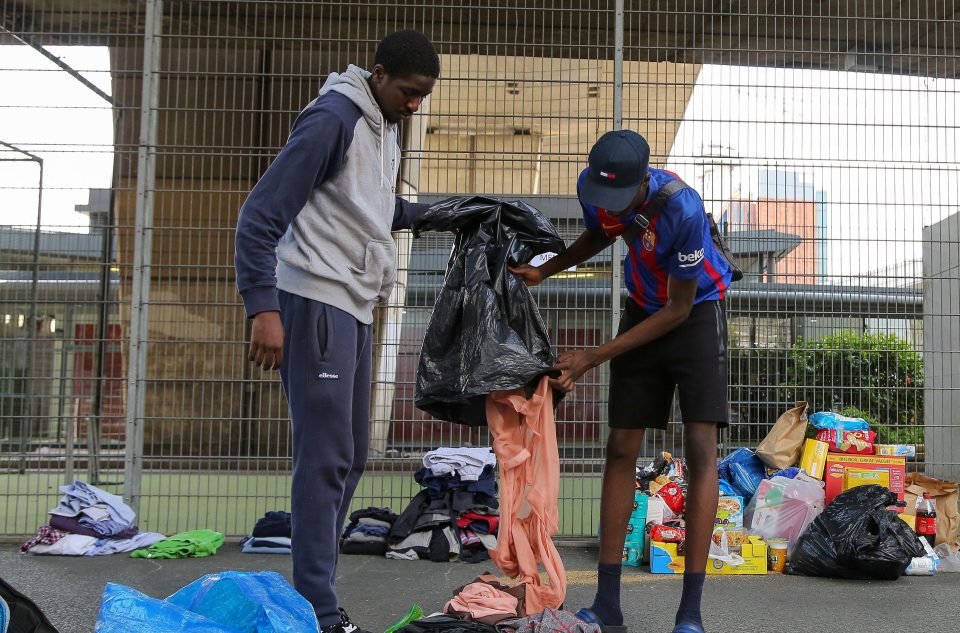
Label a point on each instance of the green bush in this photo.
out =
(873, 376)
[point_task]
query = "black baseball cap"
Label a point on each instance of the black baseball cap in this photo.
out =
(617, 167)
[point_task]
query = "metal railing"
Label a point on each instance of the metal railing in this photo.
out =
(820, 135)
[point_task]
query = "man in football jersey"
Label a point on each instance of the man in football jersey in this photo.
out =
(672, 336)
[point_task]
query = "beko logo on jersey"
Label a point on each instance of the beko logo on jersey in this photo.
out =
(691, 258)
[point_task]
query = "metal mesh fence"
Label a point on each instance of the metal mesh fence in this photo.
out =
(823, 138)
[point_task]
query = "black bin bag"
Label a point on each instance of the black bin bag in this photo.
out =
(485, 333)
(856, 537)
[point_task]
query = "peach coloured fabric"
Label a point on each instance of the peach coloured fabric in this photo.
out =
(525, 442)
(480, 600)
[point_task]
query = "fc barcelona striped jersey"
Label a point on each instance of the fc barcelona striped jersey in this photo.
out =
(677, 243)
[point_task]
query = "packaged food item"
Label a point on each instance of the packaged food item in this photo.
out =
(667, 534)
(677, 471)
(921, 566)
(853, 477)
(837, 465)
(730, 512)
(777, 553)
(735, 538)
(895, 450)
(635, 529)
(853, 442)
(813, 459)
(666, 558)
(640, 503)
(831, 420)
(658, 483)
(658, 467)
(672, 495)
(632, 554)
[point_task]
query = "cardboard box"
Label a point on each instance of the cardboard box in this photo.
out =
(837, 465)
(854, 477)
(664, 560)
(814, 458)
(896, 450)
(730, 512)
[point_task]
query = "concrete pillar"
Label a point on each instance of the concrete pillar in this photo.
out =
(941, 348)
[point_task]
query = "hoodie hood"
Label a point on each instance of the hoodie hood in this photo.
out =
(353, 84)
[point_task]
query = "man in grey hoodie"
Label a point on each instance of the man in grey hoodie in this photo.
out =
(314, 255)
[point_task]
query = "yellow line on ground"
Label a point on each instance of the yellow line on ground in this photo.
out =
(589, 577)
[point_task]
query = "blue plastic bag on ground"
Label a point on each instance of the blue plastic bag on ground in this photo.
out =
(227, 602)
(124, 610)
(788, 473)
(744, 471)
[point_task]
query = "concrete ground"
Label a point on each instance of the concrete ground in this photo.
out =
(376, 591)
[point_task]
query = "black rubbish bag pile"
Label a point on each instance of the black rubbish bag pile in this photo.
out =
(856, 537)
(485, 333)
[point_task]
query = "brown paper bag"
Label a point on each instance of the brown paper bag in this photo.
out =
(945, 495)
(781, 447)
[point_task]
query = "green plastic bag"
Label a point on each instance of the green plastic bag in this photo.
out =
(414, 614)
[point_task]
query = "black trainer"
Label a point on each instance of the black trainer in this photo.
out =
(343, 626)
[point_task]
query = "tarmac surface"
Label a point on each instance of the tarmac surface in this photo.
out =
(377, 591)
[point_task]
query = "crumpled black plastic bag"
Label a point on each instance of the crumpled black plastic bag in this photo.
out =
(485, 333)
(442, 623)
(856, 537)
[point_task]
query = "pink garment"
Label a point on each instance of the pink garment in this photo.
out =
(480, 600)
(525, 442)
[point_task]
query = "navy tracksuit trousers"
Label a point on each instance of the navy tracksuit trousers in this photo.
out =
(326, 377)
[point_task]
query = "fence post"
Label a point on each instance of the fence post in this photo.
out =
(142, 256)
(616, 253)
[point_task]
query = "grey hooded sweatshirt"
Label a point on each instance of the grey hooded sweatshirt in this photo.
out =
(326, 206)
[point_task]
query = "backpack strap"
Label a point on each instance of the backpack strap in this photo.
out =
(643, 219)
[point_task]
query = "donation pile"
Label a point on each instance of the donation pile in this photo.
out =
(818, 496)
(89, 521)
(455, 515)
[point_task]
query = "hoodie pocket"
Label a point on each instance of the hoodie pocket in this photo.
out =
(375, 280)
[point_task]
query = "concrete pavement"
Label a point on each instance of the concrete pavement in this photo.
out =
(376, 591)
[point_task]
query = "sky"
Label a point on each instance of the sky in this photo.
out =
(46, 112)
(883, 149)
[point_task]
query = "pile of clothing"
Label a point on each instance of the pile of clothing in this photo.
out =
(456, 514)
(192, 544)
(367, 532)
(487, 606)
(89, 521)
(271, 535)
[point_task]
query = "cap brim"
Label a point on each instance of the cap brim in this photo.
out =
(614, 199)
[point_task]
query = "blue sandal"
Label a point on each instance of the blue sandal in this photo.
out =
(590, 617)
(687, 628)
